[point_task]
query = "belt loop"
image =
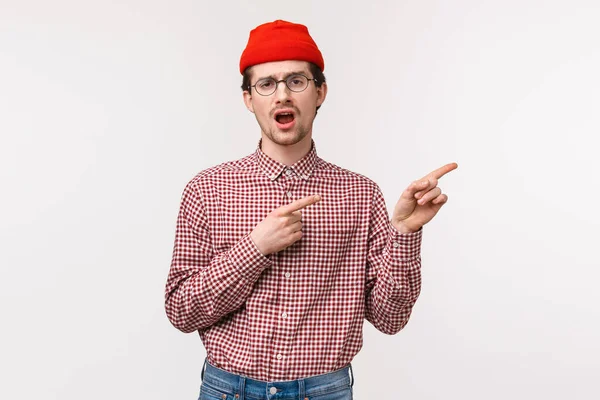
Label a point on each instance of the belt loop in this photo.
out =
(203, 369)
(242, 388)
(301, 389)
(352, 375)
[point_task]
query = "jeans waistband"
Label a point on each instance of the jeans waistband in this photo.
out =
(256, 389)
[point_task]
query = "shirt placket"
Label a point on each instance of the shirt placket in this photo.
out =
(284, 317)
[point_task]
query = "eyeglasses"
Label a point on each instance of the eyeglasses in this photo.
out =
(296, 83)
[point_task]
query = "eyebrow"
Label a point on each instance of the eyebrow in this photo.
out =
(285, 77)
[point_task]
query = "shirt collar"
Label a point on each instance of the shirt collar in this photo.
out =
(303, 168)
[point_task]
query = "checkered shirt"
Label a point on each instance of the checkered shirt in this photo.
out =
(300, 311)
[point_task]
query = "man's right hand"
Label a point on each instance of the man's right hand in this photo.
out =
(282, 227)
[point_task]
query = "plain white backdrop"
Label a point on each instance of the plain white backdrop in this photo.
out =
(108, 108)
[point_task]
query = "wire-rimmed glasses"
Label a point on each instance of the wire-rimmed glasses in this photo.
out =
(296, 83)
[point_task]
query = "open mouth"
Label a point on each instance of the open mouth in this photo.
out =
(285, 120)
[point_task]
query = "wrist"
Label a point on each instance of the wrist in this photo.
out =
(403, 228)
(257, 245)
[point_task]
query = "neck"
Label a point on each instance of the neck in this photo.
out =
(286, 154)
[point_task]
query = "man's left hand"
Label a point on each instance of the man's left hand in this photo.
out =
(421, 201)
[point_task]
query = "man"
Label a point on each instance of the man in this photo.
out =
(280, 256)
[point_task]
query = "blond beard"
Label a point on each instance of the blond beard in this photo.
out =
(285, 138)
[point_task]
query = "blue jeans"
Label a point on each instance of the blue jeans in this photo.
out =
(218, 384)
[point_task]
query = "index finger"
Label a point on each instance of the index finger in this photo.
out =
(300, 203)
(438, 173)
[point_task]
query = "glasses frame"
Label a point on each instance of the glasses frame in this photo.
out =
(286, 84)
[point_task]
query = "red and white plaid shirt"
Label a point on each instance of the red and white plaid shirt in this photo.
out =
(300, 311)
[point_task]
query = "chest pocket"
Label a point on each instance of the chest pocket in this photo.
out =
(329, 228)
(335, 212)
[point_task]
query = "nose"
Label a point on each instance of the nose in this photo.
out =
(282, 92)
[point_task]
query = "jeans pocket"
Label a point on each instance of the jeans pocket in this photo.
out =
(344, 393)
(211, 393)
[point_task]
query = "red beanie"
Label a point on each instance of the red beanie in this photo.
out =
(279, 41)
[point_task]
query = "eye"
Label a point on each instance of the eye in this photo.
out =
(296, 81)
(265, 84)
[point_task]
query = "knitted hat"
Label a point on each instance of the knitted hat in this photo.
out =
(279, 41)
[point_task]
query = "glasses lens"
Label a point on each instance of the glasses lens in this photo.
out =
(297, 83)
(265, 86)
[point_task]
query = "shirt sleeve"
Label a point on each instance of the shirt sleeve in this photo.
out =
(393, 272)
(203, 286)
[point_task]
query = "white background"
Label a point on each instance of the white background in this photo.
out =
(108, 108)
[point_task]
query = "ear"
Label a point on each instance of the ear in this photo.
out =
(321, 93)
(248, 101)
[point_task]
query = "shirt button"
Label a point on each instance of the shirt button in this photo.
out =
(287, 274)
(289, 172)
(284, 315)
(396, 244)
(289, 194)
(273, 390)
(279, 356)
(273, 176)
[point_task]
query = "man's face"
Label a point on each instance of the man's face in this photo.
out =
(280, 129)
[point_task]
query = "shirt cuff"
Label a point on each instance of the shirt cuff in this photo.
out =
(404, 246)
(248, 260)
